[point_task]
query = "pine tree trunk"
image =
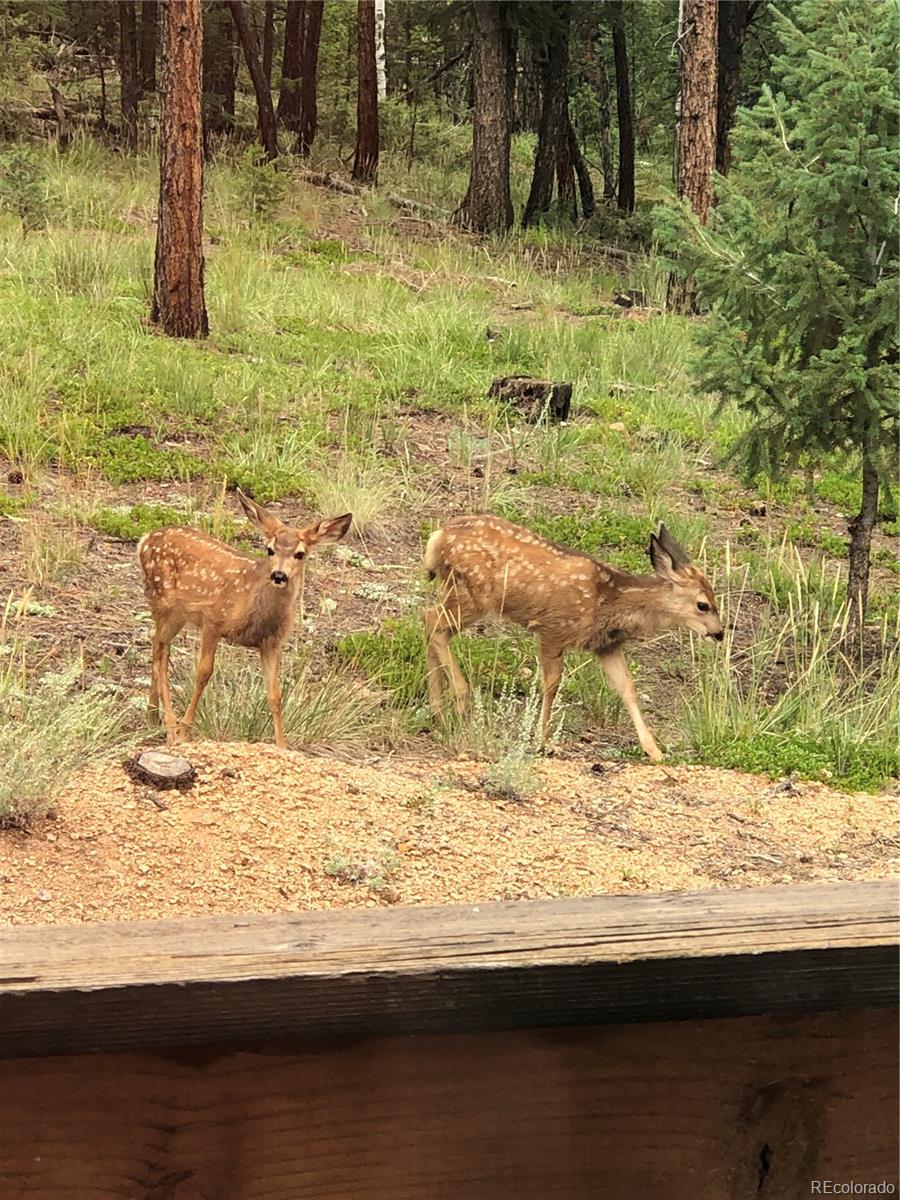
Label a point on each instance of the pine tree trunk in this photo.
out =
(487, 207)
(733, 17)
(268, 43)
(861, 528)
(289, 96)
(380, 55)
(606, 155)
(528, 114)
(147, 48)
(623, 111)
(218, 70)
(565, 167)
(697, 126)
(128, 71)
(585, 184)
(309, 114)
(265, 111)
(365, 159)
(554, 70)
(178, 306)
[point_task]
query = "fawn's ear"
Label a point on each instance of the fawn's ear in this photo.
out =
(328, 531)
(260, 516)
(679, 556)
(667, 557)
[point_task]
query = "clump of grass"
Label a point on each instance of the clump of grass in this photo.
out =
(374, 872)
(131, 523)
(791, 703)
(364, 489)
(85, 268)
(326, 712)
(50, 551)
(50, 726)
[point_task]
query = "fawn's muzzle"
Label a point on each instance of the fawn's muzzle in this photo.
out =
(719, 636)
(279, 578)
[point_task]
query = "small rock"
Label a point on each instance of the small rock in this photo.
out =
(44, 895)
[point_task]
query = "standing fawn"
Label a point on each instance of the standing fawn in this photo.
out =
(191, 578)
(490, 567)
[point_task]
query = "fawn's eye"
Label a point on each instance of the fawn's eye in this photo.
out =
(270, 550)
(703, 606)
(300, 554)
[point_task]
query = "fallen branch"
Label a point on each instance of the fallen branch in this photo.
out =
(326, 180)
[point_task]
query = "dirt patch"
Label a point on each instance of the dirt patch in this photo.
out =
(265, 830)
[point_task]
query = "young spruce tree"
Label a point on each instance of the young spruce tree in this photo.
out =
(799, 261)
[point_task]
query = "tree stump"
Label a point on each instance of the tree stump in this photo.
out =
(160, 769)
(534, 398)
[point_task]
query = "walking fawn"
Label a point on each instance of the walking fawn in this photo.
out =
(191, 578)
(488, 566)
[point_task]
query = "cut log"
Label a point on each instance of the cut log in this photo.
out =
(534, 398)
(326, 180)
(161, 769)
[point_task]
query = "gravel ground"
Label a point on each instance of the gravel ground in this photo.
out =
(265, 830)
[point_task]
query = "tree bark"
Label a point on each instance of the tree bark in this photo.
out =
(128, 70)
(289, 96)
(218, 70)
(147, 47)
(265, 111)
(697, 124)
(606, 155)
(309, 114)
(554, 112)
(585, 184)
(623, 111)
(733, 20)
(487, 207)
(860, 549)
(380, 56)
(268, 45)
(365, 159)
(179, 307)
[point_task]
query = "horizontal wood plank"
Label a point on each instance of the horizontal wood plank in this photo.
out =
(745, 1109)
(611, 959)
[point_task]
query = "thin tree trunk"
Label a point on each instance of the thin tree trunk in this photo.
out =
(218, 70)
(289, 96)
(268, 43)
(861, 528)
(178, 306)
(606, 154)
(365, 159)
(128, 70)
(380, 56)
(554, 69)
(63, 128)
(147, 48)
(309, 114)
(565, 166)
(265, 111)
(585, 184)
(733, 19)
(697, 127)
(623, 111)
(102, 73)
(407, 56)
(487, 206)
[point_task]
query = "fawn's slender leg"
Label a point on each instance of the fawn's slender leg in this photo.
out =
(442, 622)
(165, 630)
(436, 675)
(270, 657)
(620, 679)
(209, 640)
(551, 673)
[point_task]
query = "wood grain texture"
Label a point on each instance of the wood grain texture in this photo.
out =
(67, 989)
(747, 1109)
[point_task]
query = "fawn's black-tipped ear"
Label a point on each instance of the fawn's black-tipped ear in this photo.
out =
(260, 516)
(661, 560)
(331, 530)
(679, 556)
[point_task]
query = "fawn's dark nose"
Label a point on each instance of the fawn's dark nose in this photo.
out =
(719, 636)
(279, 577)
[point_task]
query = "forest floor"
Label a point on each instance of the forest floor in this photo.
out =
(348, 369)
